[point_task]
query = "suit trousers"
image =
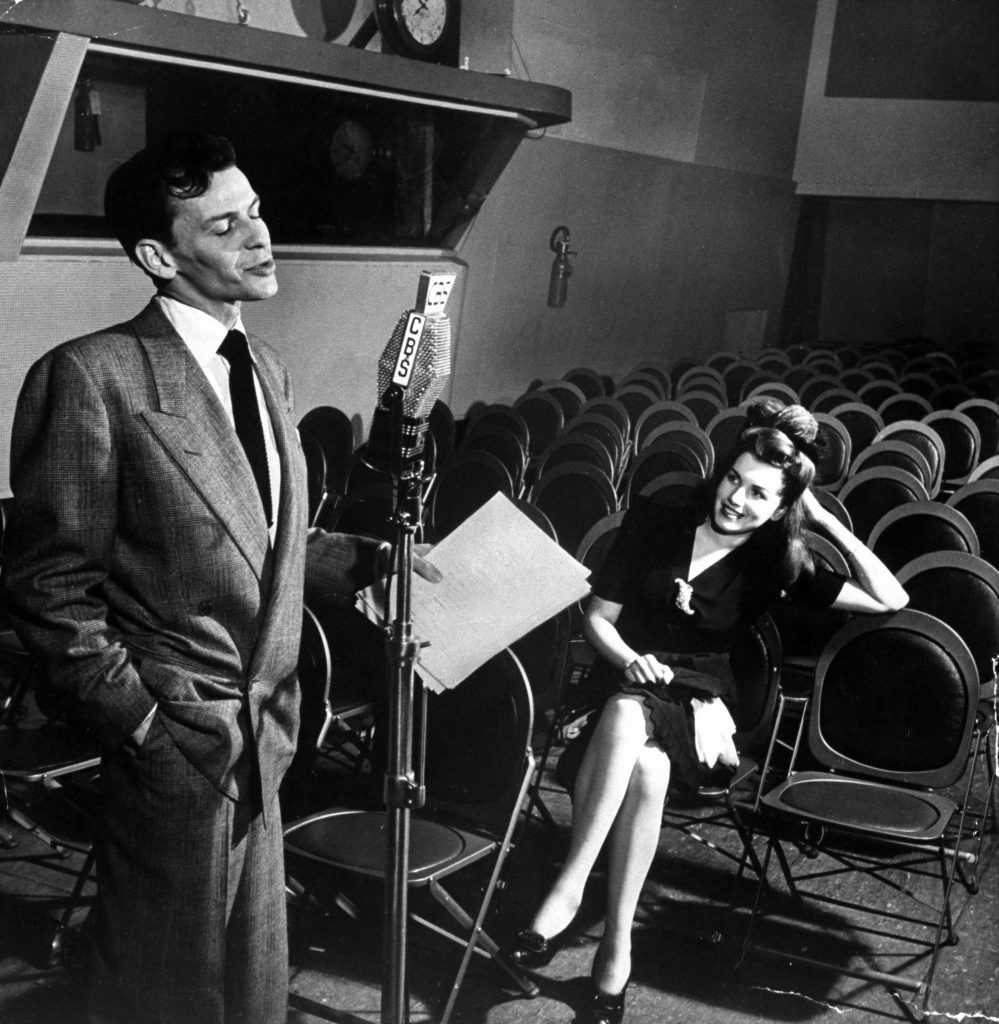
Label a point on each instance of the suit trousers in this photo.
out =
(191, 922)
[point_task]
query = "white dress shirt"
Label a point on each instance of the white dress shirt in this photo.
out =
(203, 334)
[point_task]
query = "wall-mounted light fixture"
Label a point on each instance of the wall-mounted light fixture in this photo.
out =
(561, 266)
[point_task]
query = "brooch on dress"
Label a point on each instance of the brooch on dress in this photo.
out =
(684, 592)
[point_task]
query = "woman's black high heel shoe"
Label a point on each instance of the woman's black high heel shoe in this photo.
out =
(605, 1008)
(531, 950)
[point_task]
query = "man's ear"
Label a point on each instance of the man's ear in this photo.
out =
(155, 258)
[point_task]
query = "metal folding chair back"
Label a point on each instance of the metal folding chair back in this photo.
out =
(963, 590)
(477, 770)
(892, 722)
(920, 528)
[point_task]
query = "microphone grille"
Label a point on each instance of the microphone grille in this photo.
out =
(433, 367)
(430, 372)
(386, 361)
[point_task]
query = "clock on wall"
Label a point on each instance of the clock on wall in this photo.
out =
(352, 149)
(418, 28)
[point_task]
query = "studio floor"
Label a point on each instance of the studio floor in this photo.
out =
(685, 968)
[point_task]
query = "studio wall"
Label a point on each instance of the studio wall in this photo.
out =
(900, 165)
(674, 178)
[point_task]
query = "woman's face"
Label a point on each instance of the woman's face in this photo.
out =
(748, 496)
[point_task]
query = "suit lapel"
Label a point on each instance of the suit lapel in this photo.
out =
(192, 426)
(284, 609)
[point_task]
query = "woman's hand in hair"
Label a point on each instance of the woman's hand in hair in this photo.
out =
(815, 514)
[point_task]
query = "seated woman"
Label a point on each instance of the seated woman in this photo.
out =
(677, 588)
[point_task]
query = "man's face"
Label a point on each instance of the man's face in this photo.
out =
(221, 250)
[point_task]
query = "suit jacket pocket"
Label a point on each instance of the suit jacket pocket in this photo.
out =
(212, 735)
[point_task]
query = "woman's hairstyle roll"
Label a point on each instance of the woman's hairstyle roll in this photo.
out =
(785, 436)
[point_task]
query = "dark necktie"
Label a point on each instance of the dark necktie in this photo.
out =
(246, 412)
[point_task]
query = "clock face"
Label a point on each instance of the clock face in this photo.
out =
(351, 150)
(416, 28)
(425, 20)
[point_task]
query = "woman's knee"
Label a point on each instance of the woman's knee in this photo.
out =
(623, 718)
(650, 776)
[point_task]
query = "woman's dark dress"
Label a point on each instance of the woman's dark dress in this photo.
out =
(650, 554)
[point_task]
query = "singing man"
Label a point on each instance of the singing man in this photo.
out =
(155, 561)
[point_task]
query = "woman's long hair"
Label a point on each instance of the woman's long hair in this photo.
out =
(786, 437)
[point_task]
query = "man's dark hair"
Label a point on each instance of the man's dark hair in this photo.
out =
(140, 194)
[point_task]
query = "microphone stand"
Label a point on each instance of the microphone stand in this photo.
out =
(402, 792)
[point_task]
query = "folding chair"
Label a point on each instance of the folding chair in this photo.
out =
(827, 401)
(705, 404)
(891, 726)
(607, 432)
(544, 655)
(669, 411)
(756, 665)
(724, 430)
(665, 455)
(44, 763)
(441, 424)
(587, 380)
(332, 429)
(963, 591)
(568, 448)
(573, 702)
(979, 503)
(673, 489)
(877, 392)
(567, 394)
(984, 413)
(834, 463)
(987, 469)
(962, 443)
(477, 770)
(920, 528)
(767, 384)
(686, 433)
(636, 399)
(904, 406)
(869, 494)
(861, 421)
(651, 368)
(464, 484)
(923, 437)
(544, 418)
(898, 454)
(500, 415)
(574, 496)
(337, 713)
(501, 442)
(645, 379)
(611, 409)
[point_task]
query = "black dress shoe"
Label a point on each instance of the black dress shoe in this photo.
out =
(605, 1008)
(532, 950)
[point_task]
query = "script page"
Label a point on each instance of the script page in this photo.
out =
(502, 577)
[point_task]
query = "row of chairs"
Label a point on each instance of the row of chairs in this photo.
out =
(764, 638)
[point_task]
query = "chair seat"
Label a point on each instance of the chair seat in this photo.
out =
(47, 751)
(356, 841)
(863, 806)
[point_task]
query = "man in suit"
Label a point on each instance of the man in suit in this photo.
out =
(156, 563)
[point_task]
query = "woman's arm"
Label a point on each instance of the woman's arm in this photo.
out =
(599, 627)
(874, 588)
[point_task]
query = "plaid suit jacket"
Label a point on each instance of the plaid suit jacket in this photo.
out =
(137, 562)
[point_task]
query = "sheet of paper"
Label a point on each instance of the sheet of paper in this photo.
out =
(502, 577)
